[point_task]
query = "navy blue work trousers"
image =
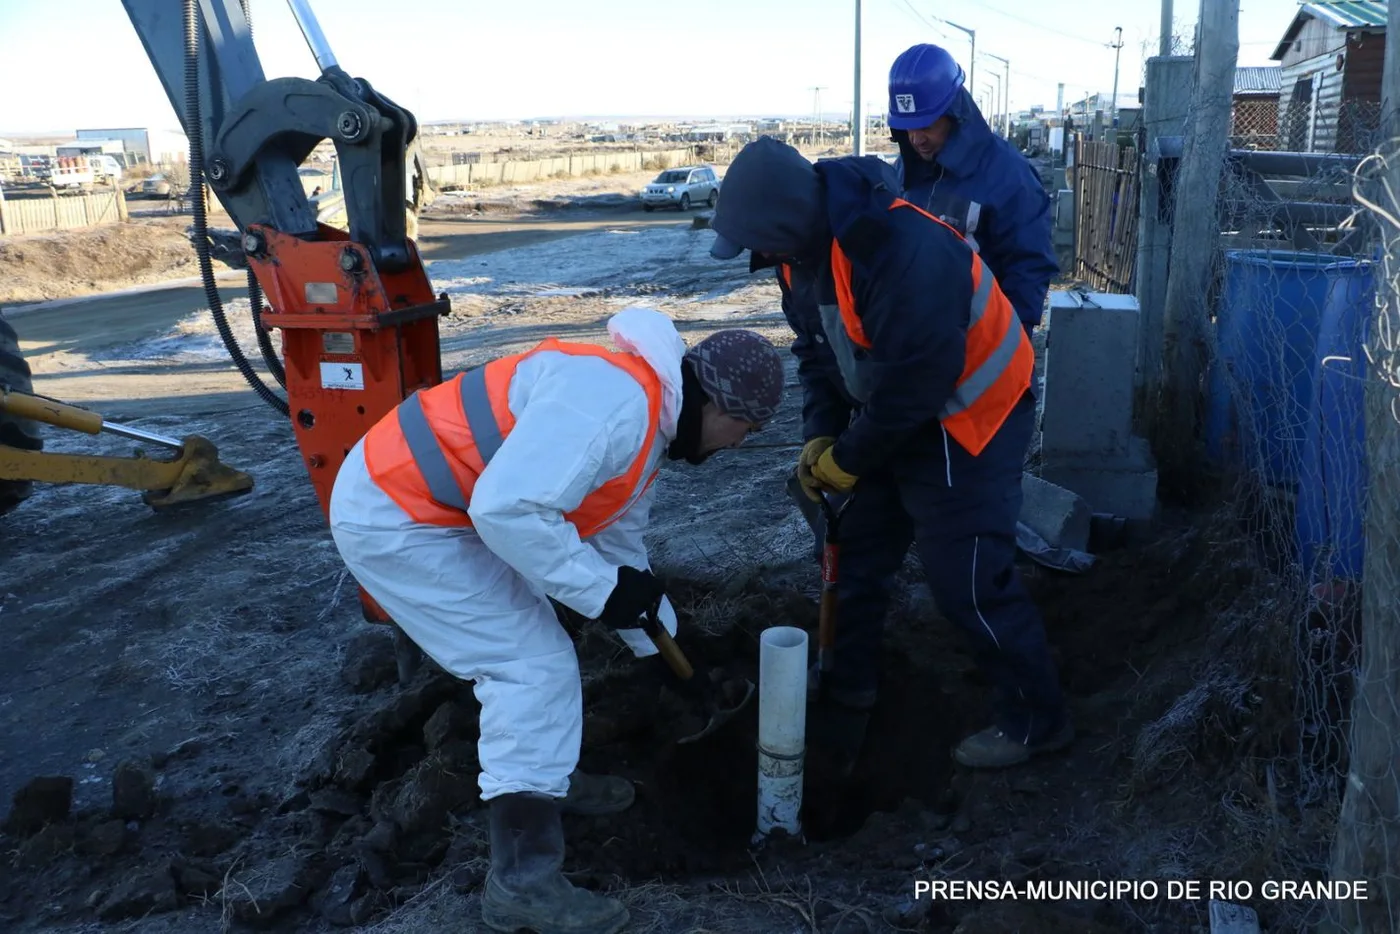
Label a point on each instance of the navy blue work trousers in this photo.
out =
(961, 513)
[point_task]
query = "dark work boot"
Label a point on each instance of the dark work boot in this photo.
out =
(993, 749)
(596, 795)
(525, 889)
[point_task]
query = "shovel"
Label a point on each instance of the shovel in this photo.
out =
(716, 715)
(825, 522)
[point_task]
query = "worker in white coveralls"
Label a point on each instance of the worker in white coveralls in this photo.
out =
(472, 504)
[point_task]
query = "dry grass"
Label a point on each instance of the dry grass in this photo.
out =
(799, 897)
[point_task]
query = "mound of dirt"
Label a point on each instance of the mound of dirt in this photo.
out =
(70, 263)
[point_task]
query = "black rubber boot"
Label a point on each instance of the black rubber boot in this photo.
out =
(525, 889)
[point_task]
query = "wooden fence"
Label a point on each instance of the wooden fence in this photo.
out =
(60, 212)
(1106, 214)
(445, 177)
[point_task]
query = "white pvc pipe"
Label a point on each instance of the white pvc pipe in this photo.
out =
(782, 729)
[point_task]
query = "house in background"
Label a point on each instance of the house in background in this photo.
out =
(1254, 108)
(1331, 59)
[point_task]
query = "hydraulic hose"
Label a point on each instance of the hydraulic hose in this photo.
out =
(201, 230)
(255, 296)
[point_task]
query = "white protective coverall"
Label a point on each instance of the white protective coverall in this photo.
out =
(474, 599)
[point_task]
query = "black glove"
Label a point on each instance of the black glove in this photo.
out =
(636, 593)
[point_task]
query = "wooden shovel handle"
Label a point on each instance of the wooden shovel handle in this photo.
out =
(667, 647)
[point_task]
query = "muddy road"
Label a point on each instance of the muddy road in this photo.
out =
(103, 320)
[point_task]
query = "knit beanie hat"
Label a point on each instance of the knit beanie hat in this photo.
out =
(741, 372)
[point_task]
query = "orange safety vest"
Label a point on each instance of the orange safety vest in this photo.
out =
(999, 359)
(428, 453)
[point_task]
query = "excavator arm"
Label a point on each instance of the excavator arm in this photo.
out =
(356, 311)
(252, 132)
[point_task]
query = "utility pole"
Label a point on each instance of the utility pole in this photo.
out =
(972, 57)
(1164, 45)
(1195, 238)
(1113, 105)
(1364, 847)
(817, 114)
(857, 112)
(1006, 91)
(996, 100)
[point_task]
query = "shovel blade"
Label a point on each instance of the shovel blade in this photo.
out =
(720, 717)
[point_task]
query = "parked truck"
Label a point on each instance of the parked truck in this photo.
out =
(83, 172)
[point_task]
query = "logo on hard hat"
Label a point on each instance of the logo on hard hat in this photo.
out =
(904, 103)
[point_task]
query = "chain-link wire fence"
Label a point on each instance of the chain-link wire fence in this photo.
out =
(1254, 122)
(1264, 122)
(1299, 327)
(1359, 490)
(1291, 724)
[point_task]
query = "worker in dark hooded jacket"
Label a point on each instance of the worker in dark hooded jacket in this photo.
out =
(915, 375)
(953, 166)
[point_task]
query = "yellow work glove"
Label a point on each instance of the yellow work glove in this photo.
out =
(810, 452)
(828, 476)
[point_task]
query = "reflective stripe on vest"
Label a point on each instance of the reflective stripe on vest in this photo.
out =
(428, 461)
(999, 359)
(432, 462)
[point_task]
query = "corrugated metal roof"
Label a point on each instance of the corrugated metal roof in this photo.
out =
(1349, 14)
(1342, 14)
(1258, 79)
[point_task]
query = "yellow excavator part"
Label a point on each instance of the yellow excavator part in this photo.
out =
(194, 474)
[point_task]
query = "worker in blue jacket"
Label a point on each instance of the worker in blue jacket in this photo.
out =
(953, 166)
(915, 373)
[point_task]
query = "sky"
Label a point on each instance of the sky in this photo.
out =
(78, 63)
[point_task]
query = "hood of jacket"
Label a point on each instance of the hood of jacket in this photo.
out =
(772, 201)
(653, 336)
(963, 155)
(859, 190)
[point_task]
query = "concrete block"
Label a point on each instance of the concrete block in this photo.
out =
(1064, 210)
(1090, 362)
(1056, 514)
(1061, 177)
(1120, 486)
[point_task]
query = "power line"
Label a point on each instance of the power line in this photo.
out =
(922, 20)
(1020, 18)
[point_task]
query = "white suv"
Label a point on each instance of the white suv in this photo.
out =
(682, 188)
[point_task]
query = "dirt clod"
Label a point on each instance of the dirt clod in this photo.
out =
(43, 800)
(46, 845)
(195, 879)
(420, 802)
(148, 890)
(369, 662)
(209, 837)
(335, 801)
(354, 769)
(270, 887)
(105, 839)
(449, 722)
(133, 790)
(333, 902)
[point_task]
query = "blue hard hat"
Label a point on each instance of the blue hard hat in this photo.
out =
(924, 81)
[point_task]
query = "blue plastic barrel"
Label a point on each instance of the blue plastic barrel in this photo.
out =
(1331, 514)
(1261, 382)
